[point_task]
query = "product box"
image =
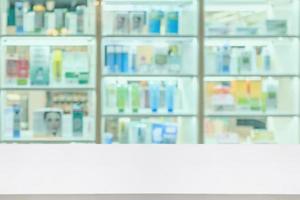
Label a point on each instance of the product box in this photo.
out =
(276, 27)
(137, 22)
(39, 65)
(121, 23)
(47, 122)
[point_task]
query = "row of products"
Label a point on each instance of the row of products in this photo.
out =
(143, 59)
(228, 59)
(66, 100)
(47, 122)
(137, 96)
(268, 27)
(45, 65)
(238, 131)
(143, 22)
(147, 131)
(46, 18)
(251, 95)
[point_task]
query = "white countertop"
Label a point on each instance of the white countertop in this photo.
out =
(150, 169)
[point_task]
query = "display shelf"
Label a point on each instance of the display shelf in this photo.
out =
(250, 114)
(150, 115)
(250, 37)
(216, 77)
(150, 75)
(48, 71)
(48, 140)
(48, 17)
(261, 41)
(69, 88)
(46, 40)
(146, 2)
(154, 61)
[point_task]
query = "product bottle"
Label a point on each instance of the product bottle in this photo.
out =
(11, 17)
(154, 96)
(170, 96)
(39, 19)
(224, 59)
(19, 16)
(110, 96)
(50, 16)
(57, 68)
(77, 116)
(17, 121)
(124, 60)
(259, 59)
(135, 97)
(155, 21)
(110, 58)
(22, 69)
(118, 58)
(270, 89)
(245, 60)
(267, 60)
(172, 22)
(122, 97)
(80, 10)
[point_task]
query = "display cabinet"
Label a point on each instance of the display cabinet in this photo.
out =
(149, 71)
(48, 71)
(252, 71)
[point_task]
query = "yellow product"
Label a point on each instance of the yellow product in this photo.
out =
(240, 91)
(255, 89)
(144, 55)
(262, 137)
(57, 65)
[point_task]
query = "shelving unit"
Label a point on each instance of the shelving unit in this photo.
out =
(238, 101)
(154, 72)
(165, 66)
(56, 40)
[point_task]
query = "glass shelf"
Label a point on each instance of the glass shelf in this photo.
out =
(250, 114)
(62, 116)
(251, 130)
(216, 77)
(149, 130)
(50, 18)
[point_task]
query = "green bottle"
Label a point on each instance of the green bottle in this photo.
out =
(135, 97)
(122, 96)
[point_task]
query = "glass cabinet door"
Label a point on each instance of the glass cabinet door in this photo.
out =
(48, 71)
(252, 71)
(149, 71)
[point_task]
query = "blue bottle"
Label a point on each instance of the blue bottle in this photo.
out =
(170, 97)
(118, 58)
(125, 58)
(224, 59)
(172, 22)
(154, 96)
(110, 59)
(19, 5)
(155, 21)
(17, 121)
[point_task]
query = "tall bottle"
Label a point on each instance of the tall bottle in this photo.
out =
(19, 16)
(267, 60)
(135, 97)
(122, 97)
(154, 96)
(16, 121)
(77, 116)
(170, 96)
(224, 59)
(57, 65)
